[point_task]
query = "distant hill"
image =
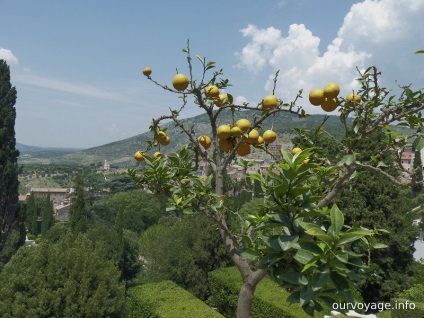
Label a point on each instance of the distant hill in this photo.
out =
(121, 152)
(34, 154)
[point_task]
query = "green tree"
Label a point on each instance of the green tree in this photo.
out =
(298, 236)
(184, 252)
(78, 210)
(46, 216)
(140, 209)
(119, 228)
(374, 200)
(31, 214)
(119, 247)
(68, 279)
(12, 229)
(417, 175)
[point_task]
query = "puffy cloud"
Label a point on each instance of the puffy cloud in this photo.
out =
(381, 33)
(8, 56)
(240, 100)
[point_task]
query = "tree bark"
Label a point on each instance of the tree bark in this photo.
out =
(246, 295)
(250, 278)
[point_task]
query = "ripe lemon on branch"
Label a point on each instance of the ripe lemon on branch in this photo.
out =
(212, 91)
(180, 82)
(139, 156)
(316, 97)
(205, 141)
(269, 102)
(269, 136)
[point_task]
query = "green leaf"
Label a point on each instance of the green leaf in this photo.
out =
(340, 281)
(294, 278)
(380, 245)
(420, 52)
(303, 257)
(319, 279)
(201, 59)
(287, 156)
(250, 254)
(337, 219)
(348, 237)
(294, 298)
(342, 257)
(286, 242)
(418, 144)
(310, 247)
(230, 98)
(279, 218)
(269, 260)
(170, 208)
(346, 160)
(381, 164)
(320, 234)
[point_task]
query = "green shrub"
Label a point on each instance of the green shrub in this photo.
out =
(401, 308)
(165, 300)
(384, 314)
(269, 302)
(415, 293)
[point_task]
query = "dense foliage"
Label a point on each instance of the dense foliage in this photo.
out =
(183, 250)
(166, 300)
(140, 209)
(12, 230)
(39, 214)
(269, 299)
(70, 278)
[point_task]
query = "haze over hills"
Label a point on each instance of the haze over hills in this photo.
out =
(121, 152)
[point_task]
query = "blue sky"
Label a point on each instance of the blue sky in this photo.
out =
(77, 64)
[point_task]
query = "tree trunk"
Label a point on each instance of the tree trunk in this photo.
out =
(250, 278)
(246, 295)
(245, 300)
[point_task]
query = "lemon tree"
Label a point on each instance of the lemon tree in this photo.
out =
(297, 237)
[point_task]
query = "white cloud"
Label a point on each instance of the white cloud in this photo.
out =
(240, 100)
(382, 33)
(8, 56)
(72, 88)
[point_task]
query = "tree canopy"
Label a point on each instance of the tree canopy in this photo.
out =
(70, 278)
(12, 229)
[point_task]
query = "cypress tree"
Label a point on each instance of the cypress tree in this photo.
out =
(12, 229)
(46, 216)
(31, 214)
(78, 210)
(417, 176)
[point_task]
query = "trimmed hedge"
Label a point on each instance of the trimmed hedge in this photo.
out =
(269, 302)
(165, 300)
(401, 309)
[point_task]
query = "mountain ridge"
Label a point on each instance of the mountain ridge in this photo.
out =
(121, 152)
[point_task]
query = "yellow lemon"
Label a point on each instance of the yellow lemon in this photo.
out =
(243, 124)
(147, 71)
(205, 141)
(331, 90)
(269, 136)
(224, 132)
(180, 82)
(316, 96)
(270, 102)
(212, 91)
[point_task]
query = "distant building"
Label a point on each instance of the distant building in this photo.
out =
(407, 158)
(57, 195)
(62, 211)
(108, 166)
